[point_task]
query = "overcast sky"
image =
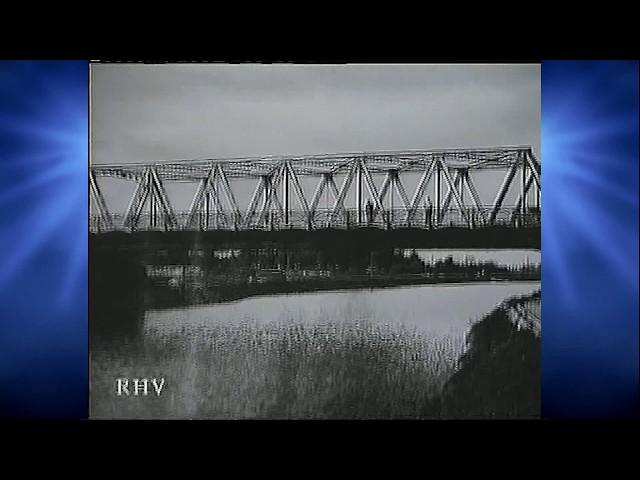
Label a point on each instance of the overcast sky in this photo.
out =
(143, 113)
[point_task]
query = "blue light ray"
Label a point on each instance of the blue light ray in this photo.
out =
(54, 173)
(43, 236)
(73, 275)
(615, 259)
(41, 133)
(590, 238)
(47, 220)
(36, 160)
(557, 254)
(625, 197)
(46, 191)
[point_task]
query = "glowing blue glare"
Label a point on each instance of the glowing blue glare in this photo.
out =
(586, 210)
(590, 238)
(43, 237)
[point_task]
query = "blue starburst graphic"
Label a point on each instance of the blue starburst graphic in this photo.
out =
(43, 239)
(590, 238)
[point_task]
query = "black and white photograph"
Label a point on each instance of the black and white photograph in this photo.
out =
(310, 242)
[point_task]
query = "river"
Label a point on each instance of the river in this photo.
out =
(350, 353)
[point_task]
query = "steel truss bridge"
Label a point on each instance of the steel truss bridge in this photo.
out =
(280, 202)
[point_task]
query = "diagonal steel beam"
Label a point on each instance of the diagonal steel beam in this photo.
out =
(267, 190)
(162, 196)
(139, 198)
(449, 196)
(384, 188)
(220, 211)
(421, 188)
(99, 201)
(471, 188)
(283, 180)
(373, 191)
(272, 182)
(198, 199)
(502, 192)
(299, 192)
(534, 165)
(402, 192)
(358, 197)
(231, 199)
(333, 188)
(342, 194)
(453, 190)
(318, 194)
(285, 208)
(527, 187)
(253, 203)
(207, 191)
(275, 199)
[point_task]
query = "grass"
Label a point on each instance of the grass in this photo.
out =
(284, 371)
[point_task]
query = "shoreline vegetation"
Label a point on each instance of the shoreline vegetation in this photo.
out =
(449, 237)
(163, 279)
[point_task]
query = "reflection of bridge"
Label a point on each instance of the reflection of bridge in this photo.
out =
(279, 200)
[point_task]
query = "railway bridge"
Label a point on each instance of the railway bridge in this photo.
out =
(350, 190)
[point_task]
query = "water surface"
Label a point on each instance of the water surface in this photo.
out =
(441, 312)
(334, 353)
(502, 257)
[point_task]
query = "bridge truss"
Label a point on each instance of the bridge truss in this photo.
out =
(279, 201)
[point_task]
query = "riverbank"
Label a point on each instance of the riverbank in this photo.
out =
(499, 374)
(156, 279)
(158, 297)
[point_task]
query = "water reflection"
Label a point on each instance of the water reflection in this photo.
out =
(502, 257)
(439, 312)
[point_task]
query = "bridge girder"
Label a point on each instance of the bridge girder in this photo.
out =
(267, 210)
